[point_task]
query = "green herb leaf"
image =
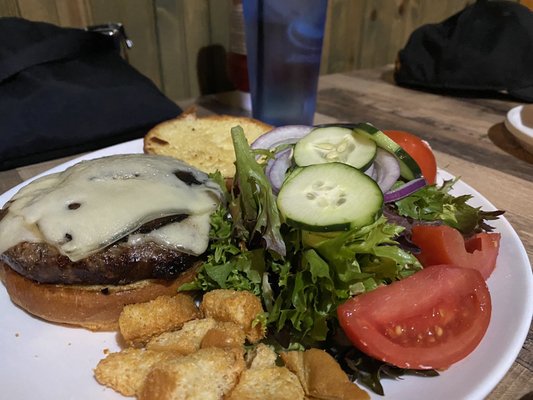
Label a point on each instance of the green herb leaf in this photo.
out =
(227, 266)
(434, 203)
(368, 253)
(259, 211)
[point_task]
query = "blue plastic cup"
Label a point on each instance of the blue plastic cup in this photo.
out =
(284, 45)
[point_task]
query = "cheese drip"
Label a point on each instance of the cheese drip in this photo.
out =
(95, 203)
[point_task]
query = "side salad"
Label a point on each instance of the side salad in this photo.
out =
(343, 233)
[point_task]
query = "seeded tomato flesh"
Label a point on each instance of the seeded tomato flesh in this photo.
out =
(429, 320)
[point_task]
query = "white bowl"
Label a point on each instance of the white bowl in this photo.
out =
(519, 122)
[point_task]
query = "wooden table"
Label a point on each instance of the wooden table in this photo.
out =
(469, 140)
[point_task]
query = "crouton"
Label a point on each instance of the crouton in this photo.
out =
(206, 374)
(270, 383)
(185, 340)
(240, 307)
(321, 376)
(126, 370)
(205, 332)
(140, 322)
(224, 334)
(262, 356)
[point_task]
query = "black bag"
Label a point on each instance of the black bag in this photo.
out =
(64, 91)
(485, 49)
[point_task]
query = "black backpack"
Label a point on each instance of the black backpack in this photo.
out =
(64, 91)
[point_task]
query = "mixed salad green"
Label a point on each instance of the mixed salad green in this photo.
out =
(301, 276)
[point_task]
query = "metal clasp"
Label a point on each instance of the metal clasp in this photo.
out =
(117, 31)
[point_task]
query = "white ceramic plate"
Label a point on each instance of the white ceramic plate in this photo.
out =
(41, 360)
(519, 121)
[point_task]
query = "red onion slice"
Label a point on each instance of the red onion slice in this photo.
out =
(277, 168)
(371, 172)
(387, 169)
(404, 190)
(288, 134)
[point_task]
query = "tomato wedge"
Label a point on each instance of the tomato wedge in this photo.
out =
(419, 150)
(445, 245)
(431, 319)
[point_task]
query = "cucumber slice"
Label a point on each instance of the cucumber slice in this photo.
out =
(409, 168)
(335, 144)
(329, 197)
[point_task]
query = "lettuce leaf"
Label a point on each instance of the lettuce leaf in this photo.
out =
(227, 266)
(258, 210)
(301, 291)
(434, 203)
(370, 252)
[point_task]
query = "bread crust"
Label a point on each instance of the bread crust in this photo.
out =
(96, 308)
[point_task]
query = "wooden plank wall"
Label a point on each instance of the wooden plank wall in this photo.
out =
(181, 44)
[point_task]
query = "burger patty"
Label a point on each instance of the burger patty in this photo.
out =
(118, 264)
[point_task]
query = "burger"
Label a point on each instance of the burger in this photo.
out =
(78, 245)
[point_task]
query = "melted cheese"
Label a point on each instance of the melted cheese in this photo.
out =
(187, 236)
(95, 203)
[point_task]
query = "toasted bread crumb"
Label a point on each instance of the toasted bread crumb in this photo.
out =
(224, 334)
(271, 383)
(321, 376)
(126, 370)
(140, 322)
(261, 356)
(240, 307)
(185, 340)
(206, 374)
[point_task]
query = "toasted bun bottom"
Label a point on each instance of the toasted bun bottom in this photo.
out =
(93, 307)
